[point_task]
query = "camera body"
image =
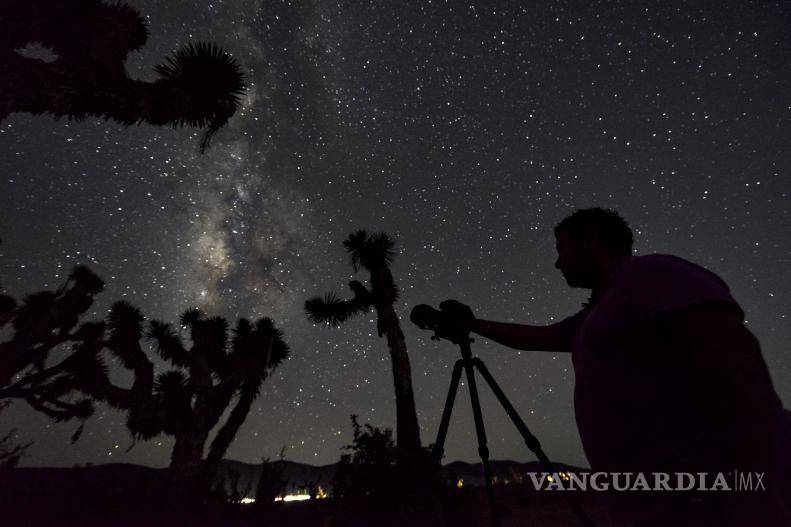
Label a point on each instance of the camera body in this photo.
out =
(446, 322)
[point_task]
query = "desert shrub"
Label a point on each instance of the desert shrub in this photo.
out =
(368, 467)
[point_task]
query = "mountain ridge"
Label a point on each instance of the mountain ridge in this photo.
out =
(113, 479)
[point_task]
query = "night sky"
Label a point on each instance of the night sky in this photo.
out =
(464, 130)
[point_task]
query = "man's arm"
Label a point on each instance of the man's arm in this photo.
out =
(555, 337)
(522, 336)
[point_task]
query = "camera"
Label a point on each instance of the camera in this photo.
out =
(425, 317)
(443, 322)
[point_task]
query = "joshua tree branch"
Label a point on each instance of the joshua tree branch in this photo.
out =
(63, 411)
(335, 311)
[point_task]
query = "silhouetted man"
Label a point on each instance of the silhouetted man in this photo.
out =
(668, 378)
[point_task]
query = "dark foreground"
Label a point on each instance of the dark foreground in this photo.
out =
(87, 498)
(466, 508)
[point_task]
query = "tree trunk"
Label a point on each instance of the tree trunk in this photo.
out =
(229, 430)
(186, 463)
(407, 429)
(188, 451)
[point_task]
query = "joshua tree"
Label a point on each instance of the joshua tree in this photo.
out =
(375, 253)
(83, 73)
(186, 402)
(41, 323)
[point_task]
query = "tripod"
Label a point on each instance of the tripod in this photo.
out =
(467, 362)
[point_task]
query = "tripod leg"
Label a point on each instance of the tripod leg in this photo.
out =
(530, 440)
(439, 445)
(483, 450)
(438, 451)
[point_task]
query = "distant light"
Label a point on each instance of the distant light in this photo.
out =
(293, 497)
(460, 483)
(247, 501)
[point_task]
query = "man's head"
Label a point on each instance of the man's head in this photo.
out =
(590, 244)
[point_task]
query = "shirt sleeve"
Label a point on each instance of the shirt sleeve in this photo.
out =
(663, 284)
(567, 328)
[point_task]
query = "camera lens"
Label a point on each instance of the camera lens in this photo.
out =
(424, 316)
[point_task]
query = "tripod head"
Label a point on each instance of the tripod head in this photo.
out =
(442, 322)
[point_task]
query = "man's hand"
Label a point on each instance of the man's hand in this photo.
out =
(456, 321)
(457, 310)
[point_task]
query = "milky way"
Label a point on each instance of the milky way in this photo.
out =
(464, 131)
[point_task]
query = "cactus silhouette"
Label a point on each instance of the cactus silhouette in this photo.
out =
(375, 252)
(186, 401)
(83, 74)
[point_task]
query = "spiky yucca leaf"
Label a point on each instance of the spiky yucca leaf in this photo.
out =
(380, 251)
(279, 349)
(371, 251)
(125, 321)
(332, 310)
(190, 317)
(126, 327)
(218, 327)
(241, 333)
(354, 245)
(209, 68)
(211, 80)
(167, 342)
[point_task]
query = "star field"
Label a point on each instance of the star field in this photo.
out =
(466, 132)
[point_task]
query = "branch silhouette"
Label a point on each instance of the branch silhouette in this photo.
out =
(84, 75)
